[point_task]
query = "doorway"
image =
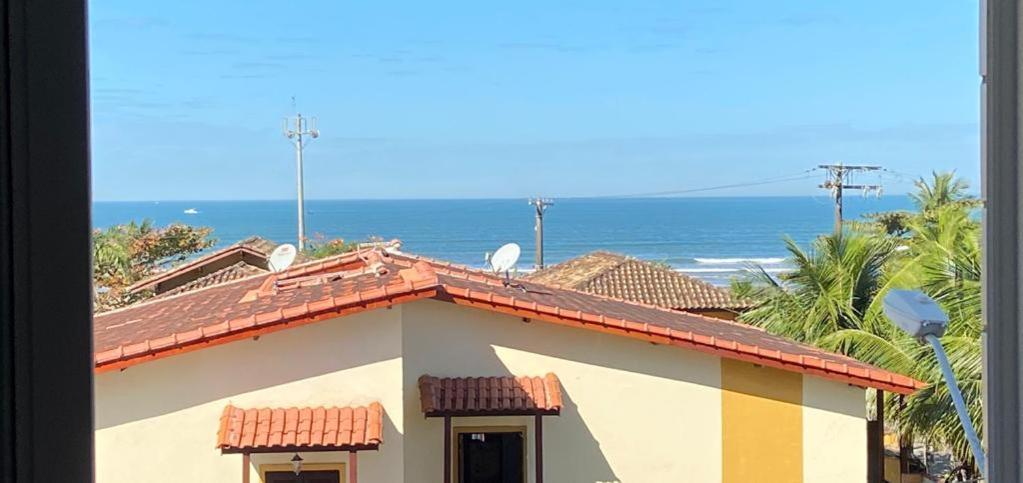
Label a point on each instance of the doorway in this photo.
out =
(326, 476)
(491, 456)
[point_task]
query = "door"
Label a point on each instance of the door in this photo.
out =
(330, 476)
(496, 457)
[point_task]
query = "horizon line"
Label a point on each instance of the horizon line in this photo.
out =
(503, 198)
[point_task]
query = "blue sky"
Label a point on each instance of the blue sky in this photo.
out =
(574, 98)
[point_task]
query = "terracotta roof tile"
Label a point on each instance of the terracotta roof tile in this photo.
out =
(234, 272)
(258, 247)
(297, 429)
(627, 278)
(489, 396)
(358, 281)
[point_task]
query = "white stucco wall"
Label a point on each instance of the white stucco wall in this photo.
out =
(634, 412)
(834, 431)
(157, 421)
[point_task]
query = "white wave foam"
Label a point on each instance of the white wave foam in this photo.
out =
(728, 270)
(736, 261)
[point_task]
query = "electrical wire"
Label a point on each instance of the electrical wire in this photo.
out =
(778, 179)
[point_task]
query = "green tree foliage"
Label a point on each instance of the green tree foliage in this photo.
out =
(321, 247)
(944, 190)
(125, 254)
(833, 299)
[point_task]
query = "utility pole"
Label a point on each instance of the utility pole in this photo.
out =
(838, 174)
(301, 128)
(540, 204)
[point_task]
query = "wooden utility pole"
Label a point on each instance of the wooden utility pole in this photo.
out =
(836, 183)
(540, 204)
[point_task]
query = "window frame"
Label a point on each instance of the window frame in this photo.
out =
(45, 423)
(46, 359)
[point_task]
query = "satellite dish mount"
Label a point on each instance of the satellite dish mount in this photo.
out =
(504, 260)
(282, 257)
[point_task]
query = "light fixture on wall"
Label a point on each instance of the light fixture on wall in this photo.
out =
(296, 463)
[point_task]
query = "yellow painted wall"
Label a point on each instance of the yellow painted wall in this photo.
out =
(157, 422)
(634, 412)
(761, 424)
(834, 426)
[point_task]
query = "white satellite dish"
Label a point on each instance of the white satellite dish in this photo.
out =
(282, 257)
(505, 258)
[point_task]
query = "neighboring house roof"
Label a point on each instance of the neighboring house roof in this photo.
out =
(246, 257)
(231, 272)
(286, 430)
(374, 278)
(628, 278)
(490, 396)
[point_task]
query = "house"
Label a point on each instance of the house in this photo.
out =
(619, 276)
(243, 259)
(382, 366)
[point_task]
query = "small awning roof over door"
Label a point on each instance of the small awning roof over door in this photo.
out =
(490, 396)
(286, 430)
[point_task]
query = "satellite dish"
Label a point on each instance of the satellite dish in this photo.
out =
(282, 257)
(915, 313)
(505, 258)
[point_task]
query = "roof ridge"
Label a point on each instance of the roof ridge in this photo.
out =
(500, 282)
(825, 360)
(447, 264)
(188, 264)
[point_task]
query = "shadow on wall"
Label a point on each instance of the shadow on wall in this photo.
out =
(232, 370)
(607, 431)
(572, 427)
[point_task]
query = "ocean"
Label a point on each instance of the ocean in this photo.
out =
(710, 238)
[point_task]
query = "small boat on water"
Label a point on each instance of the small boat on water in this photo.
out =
(191, 211)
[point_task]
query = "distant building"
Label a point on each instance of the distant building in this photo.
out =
(627, 278)
(243, 259)
(389, 367)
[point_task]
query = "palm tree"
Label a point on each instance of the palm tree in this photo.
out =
(832, 299)
(945, 189)
(947, 261)
(832, 288)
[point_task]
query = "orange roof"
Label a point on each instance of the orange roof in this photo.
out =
(490, 396)
(366, 280)
(628, 278)
(300, 429)
(254, 247)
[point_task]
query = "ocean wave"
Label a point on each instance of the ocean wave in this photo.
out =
(736, 261)
(728, 270)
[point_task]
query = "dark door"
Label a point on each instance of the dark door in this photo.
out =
(490, 458)
(303, 477)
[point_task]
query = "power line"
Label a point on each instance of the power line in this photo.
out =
(779, 179)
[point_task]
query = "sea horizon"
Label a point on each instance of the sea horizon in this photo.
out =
(712, 238)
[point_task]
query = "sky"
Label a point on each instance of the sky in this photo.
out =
(562, 99)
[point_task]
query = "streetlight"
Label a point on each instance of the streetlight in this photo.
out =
(922, 318)
(296, 464)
